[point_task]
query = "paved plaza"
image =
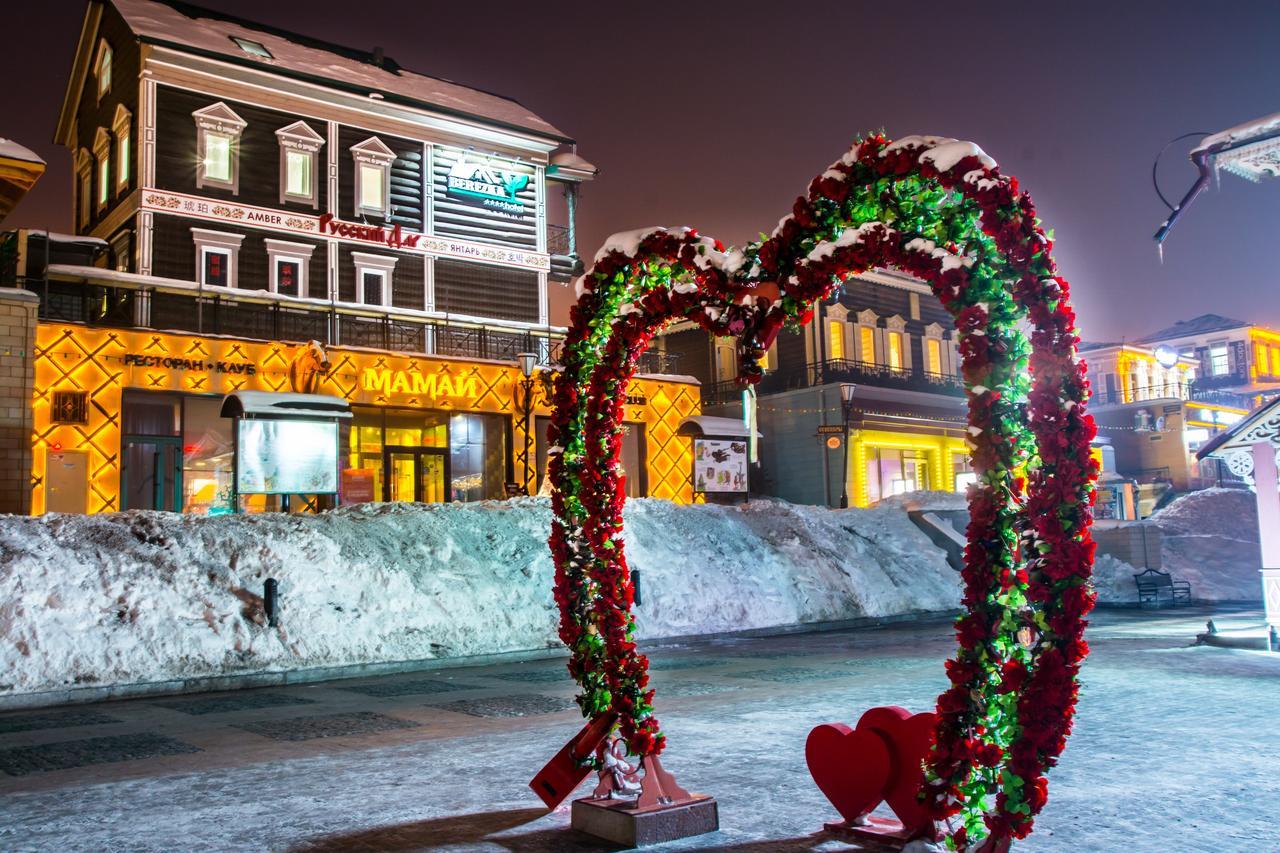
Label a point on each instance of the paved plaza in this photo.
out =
(1175, 750)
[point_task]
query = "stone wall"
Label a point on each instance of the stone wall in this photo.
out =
(17, 377)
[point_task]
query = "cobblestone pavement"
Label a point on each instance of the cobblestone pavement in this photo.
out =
(1176, 749)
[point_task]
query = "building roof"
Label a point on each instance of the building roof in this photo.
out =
(1260, 425)
(193, 28)
(1203, 324)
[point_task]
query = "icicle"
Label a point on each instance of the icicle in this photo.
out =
(1160, 251)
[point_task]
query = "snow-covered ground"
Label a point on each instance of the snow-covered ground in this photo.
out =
(142, 596)
(1209, 539)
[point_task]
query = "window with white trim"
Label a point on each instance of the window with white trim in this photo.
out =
(372, 161)
(866, 336)
(373, 278)
(102, 68)
(299, 158)
(122, 128)
(102, 156)
(1219, 359)
(289, 264)
(933, 350)
(217, 256)
(218, 131)
(836, 349)
(84, 176)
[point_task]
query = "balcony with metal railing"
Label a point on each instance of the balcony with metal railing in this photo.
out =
(94, 298)
(840, 370)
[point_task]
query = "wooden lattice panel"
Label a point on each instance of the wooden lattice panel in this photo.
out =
(102, 363)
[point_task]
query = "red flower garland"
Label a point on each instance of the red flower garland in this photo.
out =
(1029, 555)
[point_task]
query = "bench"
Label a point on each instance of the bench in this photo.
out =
(1154, 585)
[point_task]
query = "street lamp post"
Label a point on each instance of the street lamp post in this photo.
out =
(528, 369)
(846, 404)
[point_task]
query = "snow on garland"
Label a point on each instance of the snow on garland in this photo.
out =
(940, 210)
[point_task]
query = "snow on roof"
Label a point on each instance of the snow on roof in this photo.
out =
(1195, 326)
(278, 404)
(715, 427)
(186, 26)
(10, 150)
(1265, 126)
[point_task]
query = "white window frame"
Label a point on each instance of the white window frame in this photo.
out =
(867, 319)
(105, 55)
(84, 185)
(300, 137)
(1226, 347)
(102, 189)
(218, 119)
(896, 324)
(382, 265)
(838, 316)
(283, 250)
(372, 152)
(933, 332)
(122, 129)
(220, 242)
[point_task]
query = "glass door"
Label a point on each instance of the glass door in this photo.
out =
(151, 477)
(415, 474)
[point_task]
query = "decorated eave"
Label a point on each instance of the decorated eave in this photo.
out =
(1234, 446)
(20, 168)
(1250, 150)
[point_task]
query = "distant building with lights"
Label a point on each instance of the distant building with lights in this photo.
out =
(888, 344)
(1235, 357)
(256, 210)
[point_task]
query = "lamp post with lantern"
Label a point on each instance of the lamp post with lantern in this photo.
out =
(529, 370)
(846, 405)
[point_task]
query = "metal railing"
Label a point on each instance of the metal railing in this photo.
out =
(557, 239)
(267, 317)
(840, 370)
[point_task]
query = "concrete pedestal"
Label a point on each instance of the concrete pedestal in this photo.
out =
(622, 823)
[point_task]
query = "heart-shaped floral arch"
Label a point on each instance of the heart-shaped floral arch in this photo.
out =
(939, 210)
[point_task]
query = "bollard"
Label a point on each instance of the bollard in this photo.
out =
(1273, 639)
(271, 601)
(1213, 629)
(635, 585)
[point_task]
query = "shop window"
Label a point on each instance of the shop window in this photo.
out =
(122, 128)
(1219, 359)
(962, 472)
(207, 457)
(726, 359)
(373, 278)
(217, 253)
(289, 265)
(218, 131)
(102, 156)
(835, 340)
(103, 69)
(299, 158)
(891, 471)
(372, 161)
(1275, 361)
(478, 457)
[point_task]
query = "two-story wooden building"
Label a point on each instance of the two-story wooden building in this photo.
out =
(885, 340)
(282, 213)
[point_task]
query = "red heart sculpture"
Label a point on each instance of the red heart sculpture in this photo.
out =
(851, 767)
(908, 738)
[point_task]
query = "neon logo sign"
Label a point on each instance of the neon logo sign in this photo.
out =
(483, 184)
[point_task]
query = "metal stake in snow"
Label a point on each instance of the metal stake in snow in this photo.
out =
(1250, 150)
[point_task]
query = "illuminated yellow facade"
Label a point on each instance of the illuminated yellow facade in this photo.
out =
(1266, 354)
(938, 452)
(101, 364)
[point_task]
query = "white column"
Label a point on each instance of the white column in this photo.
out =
(1265, 482)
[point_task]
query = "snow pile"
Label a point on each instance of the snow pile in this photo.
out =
(1209, 539)
(142, 596)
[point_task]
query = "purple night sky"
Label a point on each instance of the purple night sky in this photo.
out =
(716, 115)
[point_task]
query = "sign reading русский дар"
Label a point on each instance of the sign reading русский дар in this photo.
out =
(163, 201)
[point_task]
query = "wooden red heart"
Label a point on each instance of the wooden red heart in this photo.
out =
(851, 767)
(908, 737)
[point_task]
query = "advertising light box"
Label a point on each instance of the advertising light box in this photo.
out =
(719, 465)
(284, 457)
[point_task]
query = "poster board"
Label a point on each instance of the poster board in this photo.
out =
(286, 457)
(720, 465)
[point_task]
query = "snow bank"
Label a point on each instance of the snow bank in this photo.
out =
(143, 596)
(1209, 539)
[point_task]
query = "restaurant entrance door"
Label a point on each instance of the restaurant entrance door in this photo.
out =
(418, 474)
(151, 477)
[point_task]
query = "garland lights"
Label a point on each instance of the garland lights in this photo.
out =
(937, 209)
